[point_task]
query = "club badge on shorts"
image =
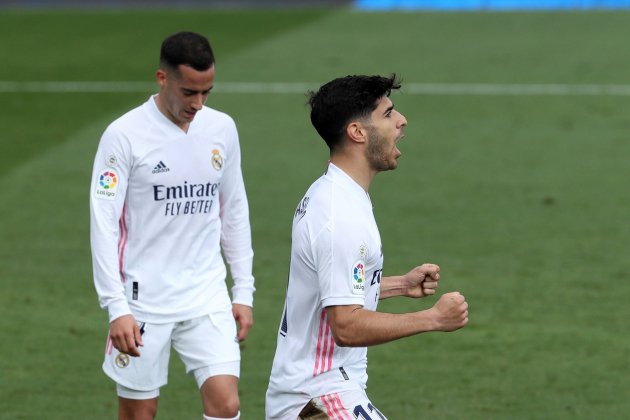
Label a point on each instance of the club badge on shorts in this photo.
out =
(122, 360)
(217, 159)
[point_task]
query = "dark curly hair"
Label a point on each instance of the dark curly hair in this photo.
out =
(341, 100)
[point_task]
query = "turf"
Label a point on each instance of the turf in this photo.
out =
(521, 200)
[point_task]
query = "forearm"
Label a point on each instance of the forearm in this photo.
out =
(358, 327)
(237, 248)
(236, 242)
(421, 281)
(104, 239)
(109, 287)
(392, 286)
(243, 289)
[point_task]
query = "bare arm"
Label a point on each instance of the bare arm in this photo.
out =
(421, 281)
(353, 326)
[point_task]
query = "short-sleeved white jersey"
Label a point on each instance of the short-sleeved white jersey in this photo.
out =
(336, 259)
(163, 203)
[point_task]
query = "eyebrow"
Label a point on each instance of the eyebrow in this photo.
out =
(197, 91)
(389, 109)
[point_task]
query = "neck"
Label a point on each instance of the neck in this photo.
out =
(164, 110)
(357, 169)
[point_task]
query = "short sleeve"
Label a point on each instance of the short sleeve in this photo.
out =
(340, 270)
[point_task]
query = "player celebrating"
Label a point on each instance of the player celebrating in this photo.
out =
(167, 196)
(335, 279)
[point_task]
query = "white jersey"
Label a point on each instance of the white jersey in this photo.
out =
(163, 204)
(336, 259)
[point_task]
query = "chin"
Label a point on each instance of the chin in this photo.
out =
(388, 167)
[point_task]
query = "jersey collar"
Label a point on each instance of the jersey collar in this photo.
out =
(338, 175)
(161, 119)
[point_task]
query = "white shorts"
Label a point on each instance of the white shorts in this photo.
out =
(343, 405)
(207, 346)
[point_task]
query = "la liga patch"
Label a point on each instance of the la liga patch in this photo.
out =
(358, 278)
(106, 184)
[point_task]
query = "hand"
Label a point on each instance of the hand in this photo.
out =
(125, 335)
(244, 318)
(451, 312)
(422, 281)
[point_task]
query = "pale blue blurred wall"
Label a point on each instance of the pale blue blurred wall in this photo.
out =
(491, 4)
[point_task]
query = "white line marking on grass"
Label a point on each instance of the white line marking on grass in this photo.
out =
(301, 88)
(515, 89)
(75, 87)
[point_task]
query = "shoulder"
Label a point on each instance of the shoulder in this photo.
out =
(332, 196)
(127, 122)
(320, 193)
(315, 205)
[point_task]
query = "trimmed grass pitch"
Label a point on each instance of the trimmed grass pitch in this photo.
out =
(522, 200)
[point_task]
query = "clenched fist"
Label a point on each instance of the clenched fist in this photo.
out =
(451, 312)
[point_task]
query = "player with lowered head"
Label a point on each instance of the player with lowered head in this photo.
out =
(336, 269)
(167, 197)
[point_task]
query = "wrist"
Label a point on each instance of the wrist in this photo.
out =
(243, 296)
(433, 319)
(117, 309)
(401, 285)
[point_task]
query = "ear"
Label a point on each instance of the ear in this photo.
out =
(160, 76)
(356, 132)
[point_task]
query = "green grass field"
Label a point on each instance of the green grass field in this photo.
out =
(522, 200)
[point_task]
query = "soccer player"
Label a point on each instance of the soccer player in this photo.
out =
(167, 197)
(336, 270)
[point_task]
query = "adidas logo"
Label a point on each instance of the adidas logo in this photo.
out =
(160, 167)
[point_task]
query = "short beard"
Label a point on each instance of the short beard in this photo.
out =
(375, 152)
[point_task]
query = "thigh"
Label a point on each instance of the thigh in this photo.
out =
(281, 405)
(209, 349)
(208, 342)
(149, 371)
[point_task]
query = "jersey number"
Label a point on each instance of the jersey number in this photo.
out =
(376, 277)
(359, 412)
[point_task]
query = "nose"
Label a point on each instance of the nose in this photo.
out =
(198, 101)
(403, 121)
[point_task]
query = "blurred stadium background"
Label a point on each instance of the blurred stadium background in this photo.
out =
(358, 4)
(513, 178)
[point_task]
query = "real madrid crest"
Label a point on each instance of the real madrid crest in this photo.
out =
(122, 360)
(363, 251)
(217, 159)
(111, 160)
